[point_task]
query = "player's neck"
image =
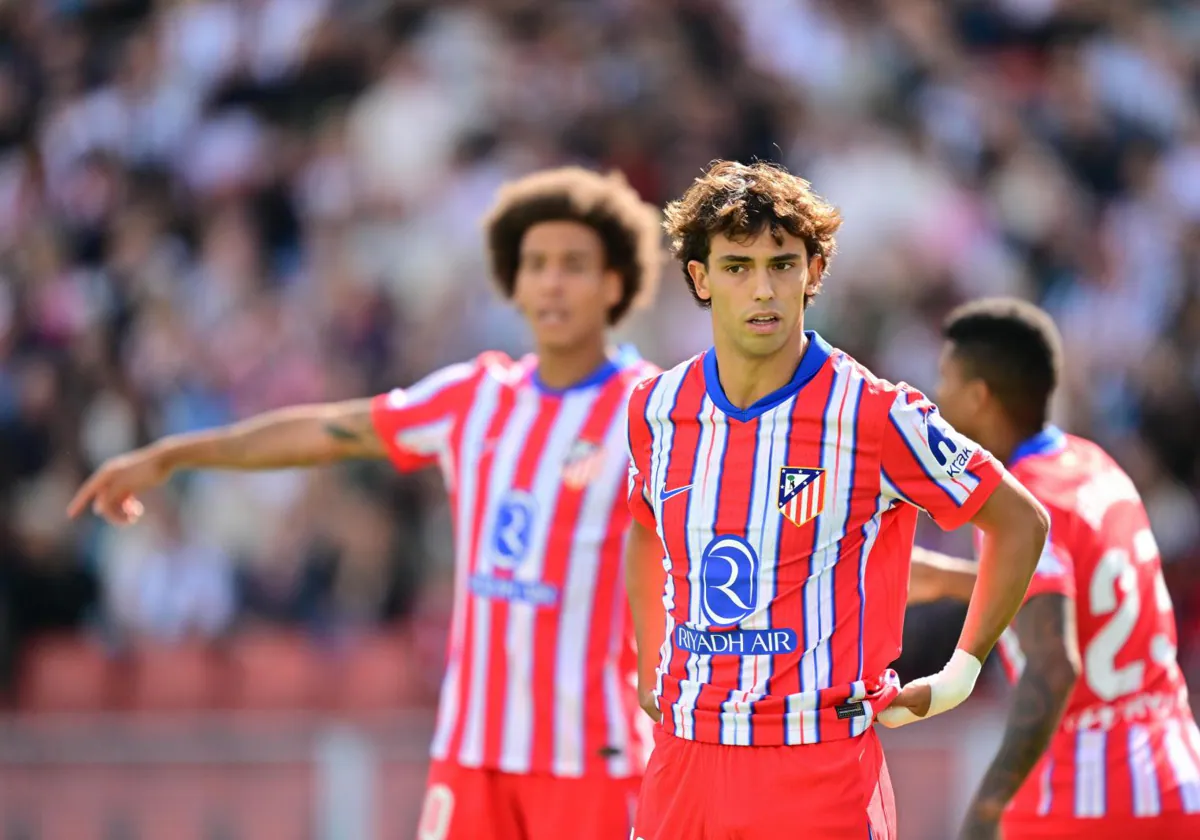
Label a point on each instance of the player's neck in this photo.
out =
(1003, 440)
(747, 379)
(561, 368)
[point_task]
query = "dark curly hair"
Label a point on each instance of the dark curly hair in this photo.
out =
(1014, 347)
(628, 227)
(740, 201)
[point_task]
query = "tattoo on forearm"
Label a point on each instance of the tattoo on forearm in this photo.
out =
(1046, 629)
(1031, 723)
(334, 430)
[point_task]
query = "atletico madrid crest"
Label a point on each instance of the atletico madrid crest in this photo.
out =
(584, 461)
(801, 493)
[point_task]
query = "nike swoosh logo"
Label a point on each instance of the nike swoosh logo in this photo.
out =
(666, 494)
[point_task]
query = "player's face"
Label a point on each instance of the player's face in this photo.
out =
(957, 396)
(757, 290)
(562, 287)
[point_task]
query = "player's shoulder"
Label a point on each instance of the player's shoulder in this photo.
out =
(1070, 462)
(449, 382)
(1091, 457)
(1079, 477)
(632, 369)
(875, 388)
(501, 368)
(672, 379)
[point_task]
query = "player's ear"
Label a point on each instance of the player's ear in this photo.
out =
(699, 274)
(816, 270)
(977, 394)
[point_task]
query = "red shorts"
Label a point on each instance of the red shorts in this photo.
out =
(833, 791)
(463, 803)
(1165, 827)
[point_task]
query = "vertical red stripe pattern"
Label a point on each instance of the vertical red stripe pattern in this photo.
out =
(831, 547)
(521, 691)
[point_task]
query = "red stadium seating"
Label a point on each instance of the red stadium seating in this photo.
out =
(179, 677)
(257, 671)
(274, 671)
(71, 674)
(375, 674)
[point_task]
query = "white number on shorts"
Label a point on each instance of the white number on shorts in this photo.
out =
(436, 813)
(1114, 589)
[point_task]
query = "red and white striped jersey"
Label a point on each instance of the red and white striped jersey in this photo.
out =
(541, 671)
(788, 531)
(1128, 745)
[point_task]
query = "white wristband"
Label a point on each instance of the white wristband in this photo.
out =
(947, 688)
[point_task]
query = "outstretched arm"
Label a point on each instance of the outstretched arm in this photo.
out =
(291, 437)
(1045, 628)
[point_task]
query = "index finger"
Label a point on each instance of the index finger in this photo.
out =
(84, 495)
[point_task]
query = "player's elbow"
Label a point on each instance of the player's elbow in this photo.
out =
(1058, 667)
(1046, 632)
(1068, 664)
(1041, 525)
(1072, 667)
(1032, 518)
(1034, 528)
(640, 550)
(1012, 514)
(1028, 520)
(640, 540)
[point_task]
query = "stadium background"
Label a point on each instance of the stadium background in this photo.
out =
(209, 208)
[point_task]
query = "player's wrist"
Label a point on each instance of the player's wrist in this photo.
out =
(955, 682)
(947, 688)
(166, 456)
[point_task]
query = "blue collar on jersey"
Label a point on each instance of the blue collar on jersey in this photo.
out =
(1046, 442)
(815, 354)
(625, 356)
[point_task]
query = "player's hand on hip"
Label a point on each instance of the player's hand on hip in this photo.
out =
(914, 698)
(112, 490)
(929, 696)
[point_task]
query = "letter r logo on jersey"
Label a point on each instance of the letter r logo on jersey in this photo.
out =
(728, 581)
(513, 530)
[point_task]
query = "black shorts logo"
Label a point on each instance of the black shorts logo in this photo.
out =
(850, 710)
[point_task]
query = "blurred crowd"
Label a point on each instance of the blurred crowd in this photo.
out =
(210, 208)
